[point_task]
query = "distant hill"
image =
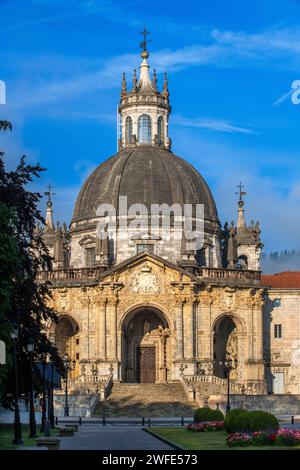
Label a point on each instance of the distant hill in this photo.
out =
(274, 262)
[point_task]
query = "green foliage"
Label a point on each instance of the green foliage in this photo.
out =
(240, 420)
(208, 414)
(236, 420)
(261, 421)
(23, 300)
(287, 440)
(263, 438)
(218, 415)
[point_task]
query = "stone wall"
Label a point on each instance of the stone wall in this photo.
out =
(279, 405)
(283, 353)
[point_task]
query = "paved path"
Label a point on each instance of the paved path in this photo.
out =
(91, 437)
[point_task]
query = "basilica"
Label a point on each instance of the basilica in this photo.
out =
(145, 308)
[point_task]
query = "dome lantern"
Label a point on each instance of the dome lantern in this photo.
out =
(144, 111)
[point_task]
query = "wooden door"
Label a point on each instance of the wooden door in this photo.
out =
(146, 364)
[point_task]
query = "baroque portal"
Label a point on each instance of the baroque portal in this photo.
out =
(145, 347)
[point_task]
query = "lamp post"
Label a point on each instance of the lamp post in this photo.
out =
(32, 423)
(229, 365)
(68, 368)
(51, 401)
(17, 424)
(44, 395)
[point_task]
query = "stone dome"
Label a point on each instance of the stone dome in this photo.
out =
(147, 175)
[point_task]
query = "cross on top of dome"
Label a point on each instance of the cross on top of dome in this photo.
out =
(143, 44)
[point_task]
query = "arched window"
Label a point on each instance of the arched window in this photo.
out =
(144, 129)
(242, 262)
(160, 130)
(128, 130)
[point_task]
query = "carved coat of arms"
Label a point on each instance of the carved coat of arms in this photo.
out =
(144, 282)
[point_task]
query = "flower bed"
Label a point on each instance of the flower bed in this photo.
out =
(284, 437)
(206, 426)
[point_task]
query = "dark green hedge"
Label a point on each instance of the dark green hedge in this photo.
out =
(236, 420)
(208, 414)
(239, 420)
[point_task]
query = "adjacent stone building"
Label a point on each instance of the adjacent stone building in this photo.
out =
(282, 331)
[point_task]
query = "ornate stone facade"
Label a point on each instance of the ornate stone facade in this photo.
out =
(149, 309)
(148, 302)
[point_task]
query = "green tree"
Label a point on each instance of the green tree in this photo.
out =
(23, 300)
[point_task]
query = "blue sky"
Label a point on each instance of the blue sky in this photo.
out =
(229, 62)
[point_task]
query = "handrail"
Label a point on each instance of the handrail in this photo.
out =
(193, 380)
(213, 274)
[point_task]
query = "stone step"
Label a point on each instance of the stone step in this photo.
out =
(146, 400)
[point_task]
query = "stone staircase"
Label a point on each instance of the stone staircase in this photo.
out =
(79, 404)
(146, 400)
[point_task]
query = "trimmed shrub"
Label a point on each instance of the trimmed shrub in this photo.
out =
(236, 420)
(262, 421)
(218, 415)
(240, 420)
(208, 414)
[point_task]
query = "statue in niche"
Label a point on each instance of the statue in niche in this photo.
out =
(163, 332)
(146, 327)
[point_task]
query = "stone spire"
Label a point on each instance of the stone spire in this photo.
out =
(248, 240)
(124, 85)
(144, 83)
(134, 82)
(241, 222)
(58, 253)
(165, 86)
(154, 81)
(49, 225)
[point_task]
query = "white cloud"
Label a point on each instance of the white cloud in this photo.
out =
(229, 48)
(274, 202)
(284, 39)
(210, 124)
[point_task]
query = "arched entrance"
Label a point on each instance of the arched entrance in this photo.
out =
(65, 336)
(145, 346)
(225, 339)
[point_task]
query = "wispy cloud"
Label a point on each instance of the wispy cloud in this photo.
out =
(273, 202)
(37, 21)
(227, 49)
(107, 9)
(276, 43)
(210, 124)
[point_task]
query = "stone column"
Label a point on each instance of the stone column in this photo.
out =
(189, 330)
(113, 327)
(102, 329)
(179, 329)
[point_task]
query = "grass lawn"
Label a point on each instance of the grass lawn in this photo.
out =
(7, 436)
(206, 440)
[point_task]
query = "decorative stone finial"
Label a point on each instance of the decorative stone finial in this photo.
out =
(124, 85)
(165, 86)
(134, 81)
(49, 225)
(241, 223)
(154, 81)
